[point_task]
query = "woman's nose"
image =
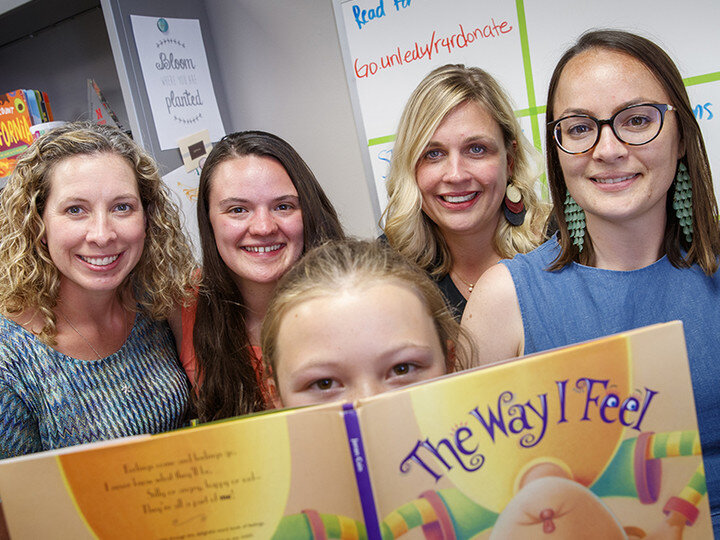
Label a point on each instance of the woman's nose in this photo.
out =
(609, 147)
(262, 223)
(100, 230)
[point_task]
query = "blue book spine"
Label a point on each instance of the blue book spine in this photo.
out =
(362, 475)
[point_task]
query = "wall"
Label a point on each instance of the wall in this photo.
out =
(281, 69)
(59, 61)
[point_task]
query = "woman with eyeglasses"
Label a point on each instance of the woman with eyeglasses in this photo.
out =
(638, 238)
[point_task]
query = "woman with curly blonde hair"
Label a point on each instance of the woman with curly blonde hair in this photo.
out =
(461, 182)
(91, 258)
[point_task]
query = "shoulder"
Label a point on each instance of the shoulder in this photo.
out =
(541, 256)
(493, 316)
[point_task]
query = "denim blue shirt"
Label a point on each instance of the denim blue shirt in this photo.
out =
(579, 303)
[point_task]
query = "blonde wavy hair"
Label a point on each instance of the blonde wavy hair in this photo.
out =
(339, 265)
(407, 228)
(29, 280)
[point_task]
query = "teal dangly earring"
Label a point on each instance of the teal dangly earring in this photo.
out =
(575, 219)
(682, 201)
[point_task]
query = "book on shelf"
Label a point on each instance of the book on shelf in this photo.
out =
(15, 136)
(19, 110)
(596, 440)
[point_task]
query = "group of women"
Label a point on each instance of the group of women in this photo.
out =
(93, 260)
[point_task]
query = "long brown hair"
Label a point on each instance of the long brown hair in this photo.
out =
(705, 245)
(228, 385)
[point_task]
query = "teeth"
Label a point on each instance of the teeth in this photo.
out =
(100, 261)
(611, 180)
(464, 198)
(262, 249)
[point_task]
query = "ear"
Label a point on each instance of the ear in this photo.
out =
(274, 394)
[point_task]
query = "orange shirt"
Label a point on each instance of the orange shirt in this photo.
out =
(189, 362)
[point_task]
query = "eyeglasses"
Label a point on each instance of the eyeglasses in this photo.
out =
(634, 125)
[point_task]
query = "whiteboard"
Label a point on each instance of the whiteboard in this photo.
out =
(388, 46)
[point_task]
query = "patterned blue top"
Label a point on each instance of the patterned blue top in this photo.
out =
(50, 400)
(578, 303)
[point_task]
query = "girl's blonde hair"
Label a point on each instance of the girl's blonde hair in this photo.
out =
(347, 264)
(162, 277)
(408, 229)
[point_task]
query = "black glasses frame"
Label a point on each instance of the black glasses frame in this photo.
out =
(661, 107)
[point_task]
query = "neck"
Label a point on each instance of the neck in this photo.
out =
(627, 245)
(88, 307)
(472, 254)
(256, 298)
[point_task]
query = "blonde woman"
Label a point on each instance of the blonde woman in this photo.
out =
(91, 258)
(461, 182)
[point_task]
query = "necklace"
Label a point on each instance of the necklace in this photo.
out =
(470, 286)
(83, 337)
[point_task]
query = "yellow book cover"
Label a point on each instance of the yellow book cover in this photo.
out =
(597, 440)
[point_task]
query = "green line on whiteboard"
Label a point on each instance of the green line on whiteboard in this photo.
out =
(381, 140)
(530, 111)
(530, 85)
(700, 79)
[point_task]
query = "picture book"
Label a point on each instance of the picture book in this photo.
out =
(596, 440)
(15, 136)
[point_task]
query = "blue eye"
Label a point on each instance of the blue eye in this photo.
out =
(432, 154)
(123, 207)
(477, 149)
(632, 404)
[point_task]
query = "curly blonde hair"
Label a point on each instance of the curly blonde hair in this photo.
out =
(162, 277)
(347, 264)
(408, 229)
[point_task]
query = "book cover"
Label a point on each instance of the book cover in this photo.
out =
(15, 136)
(597, 440)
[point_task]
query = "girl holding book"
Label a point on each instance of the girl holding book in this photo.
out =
(638, 239)
(353, 319)
(259, 209)
(461, 182)
(92, 257)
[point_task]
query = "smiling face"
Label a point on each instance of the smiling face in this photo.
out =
(355, 343)
(94, 221)
(463, 171)
(614, 182)
(256, 218)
